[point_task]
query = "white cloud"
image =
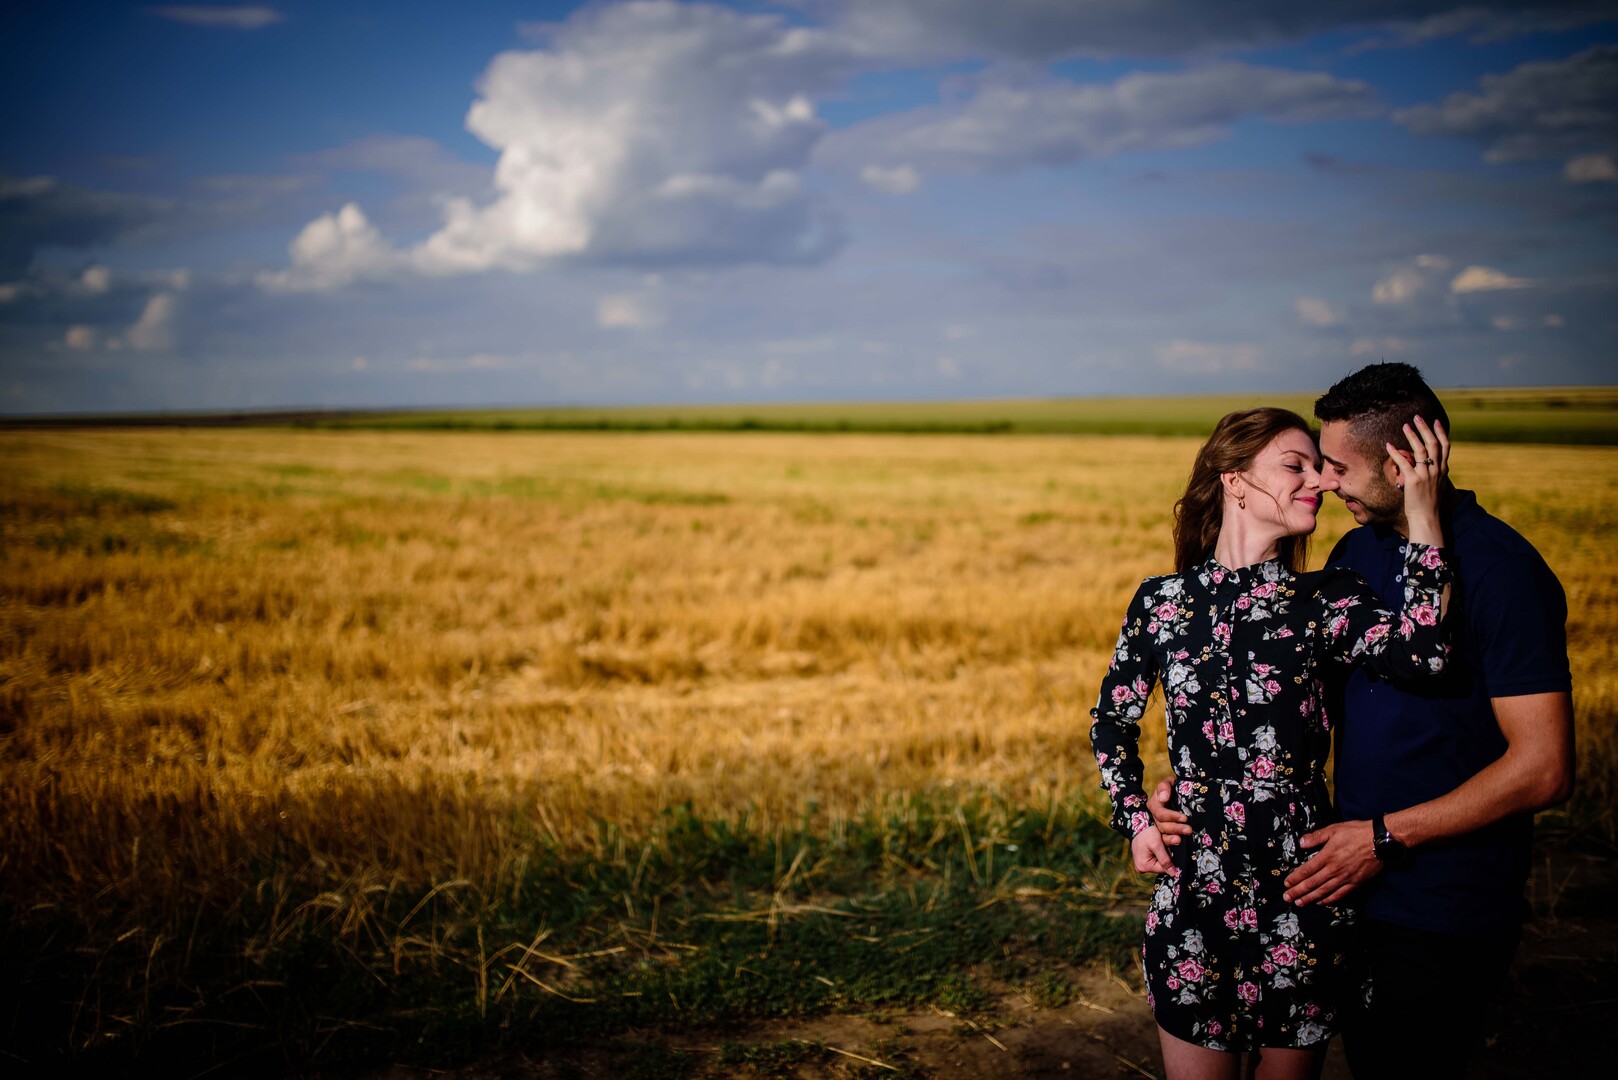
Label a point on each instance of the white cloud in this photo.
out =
(642, 134)
(1313, 311)
(1543, 109)
(1010, 125)
(80, 337)
(1591, 168)
(898, 180)
(332, 251)
(1205, 358)
(240, 17)
(95, 280)
(154, 330)
(1483, 279)
(625, 311)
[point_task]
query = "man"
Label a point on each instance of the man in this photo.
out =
(1437, 782)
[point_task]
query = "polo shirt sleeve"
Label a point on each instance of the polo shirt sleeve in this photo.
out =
(1518, 623)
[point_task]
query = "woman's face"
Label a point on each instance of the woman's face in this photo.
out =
(1283, 485)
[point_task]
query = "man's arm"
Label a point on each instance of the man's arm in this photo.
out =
(1536, 771)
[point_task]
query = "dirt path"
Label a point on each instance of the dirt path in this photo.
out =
(1559, 1020)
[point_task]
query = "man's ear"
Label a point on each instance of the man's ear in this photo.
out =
(1390, 471)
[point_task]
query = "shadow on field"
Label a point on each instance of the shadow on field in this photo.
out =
(1561, 1009)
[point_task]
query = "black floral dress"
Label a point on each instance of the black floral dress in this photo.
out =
(1243, 656)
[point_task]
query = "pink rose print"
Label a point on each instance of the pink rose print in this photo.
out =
(1189, 970)
(1230, 919)
(1426, 614)
(1208, 730)
(1181, 655)
(1249, 918)
(1181, 701)
(1272, 687)
(1121, 694)
(1151, 921)
(1141, 687)
(1173, 983)
(1244, 602)
(1166, 610)
(1285, 631)
(1431, 558)
(1212, 887)
(1247, 992)
(1263, 767)
(1227, 731)
(1221, 631)
(1215, 1027)
(1237, 813)
(1151, 627)
(1337, 625)
(1312, 1010)
(1218, 576)
(1376, 633)
(1406, 628)
(1261, 670)
(1101, 758)
(1139, 820)
(1284, 954)
(1184, 788)
(1265, 591)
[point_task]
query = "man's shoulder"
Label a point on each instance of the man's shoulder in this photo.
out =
(1485, 546)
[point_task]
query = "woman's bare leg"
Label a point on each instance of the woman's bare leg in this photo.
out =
(1188, 1061)
(1289, 1063)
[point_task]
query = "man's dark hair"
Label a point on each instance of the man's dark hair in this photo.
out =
(1377, 401)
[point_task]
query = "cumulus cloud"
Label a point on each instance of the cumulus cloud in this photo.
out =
(1410, 281)
(1591, 169)
(80, 338)
(1008, 126)
(335, 250)
(154, 330)
(238, 17)
(898, 180)
(1483, 279)
(1043, 29)
(95, 280)
(1313, 311)
(1544, 109)
(640, 134)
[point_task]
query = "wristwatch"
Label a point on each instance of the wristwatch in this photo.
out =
(1389, 850)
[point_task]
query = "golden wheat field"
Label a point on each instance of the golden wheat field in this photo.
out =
(375, 652)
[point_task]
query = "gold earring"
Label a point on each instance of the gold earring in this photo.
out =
(1242, 503)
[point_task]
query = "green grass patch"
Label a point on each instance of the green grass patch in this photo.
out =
(706, 925)
(1556, 415)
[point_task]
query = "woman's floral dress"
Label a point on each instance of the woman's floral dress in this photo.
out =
(1243, 656)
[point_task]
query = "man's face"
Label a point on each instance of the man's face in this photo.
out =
(1361, 482)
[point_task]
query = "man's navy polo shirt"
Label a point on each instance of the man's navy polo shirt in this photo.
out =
(1400, 744)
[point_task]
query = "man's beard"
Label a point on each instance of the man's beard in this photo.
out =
(1383, 503)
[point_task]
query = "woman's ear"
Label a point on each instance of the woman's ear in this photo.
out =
(1235, 485)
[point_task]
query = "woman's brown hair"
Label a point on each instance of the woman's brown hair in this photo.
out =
(1236, 441)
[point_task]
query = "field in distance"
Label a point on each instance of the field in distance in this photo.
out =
(1556, 415)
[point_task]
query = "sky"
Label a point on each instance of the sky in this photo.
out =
(494, 204)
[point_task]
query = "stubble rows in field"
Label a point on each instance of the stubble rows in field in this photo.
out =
(230, 660)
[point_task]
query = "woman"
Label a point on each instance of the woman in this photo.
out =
(1242, 640)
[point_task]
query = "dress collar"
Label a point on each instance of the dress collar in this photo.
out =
(1214, 575)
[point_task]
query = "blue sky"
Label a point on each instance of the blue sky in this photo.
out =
(291, 204)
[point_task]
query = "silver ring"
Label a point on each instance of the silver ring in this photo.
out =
(1427, 461)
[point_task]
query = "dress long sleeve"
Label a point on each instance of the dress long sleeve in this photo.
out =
(1409, 643)
(1115, 732)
